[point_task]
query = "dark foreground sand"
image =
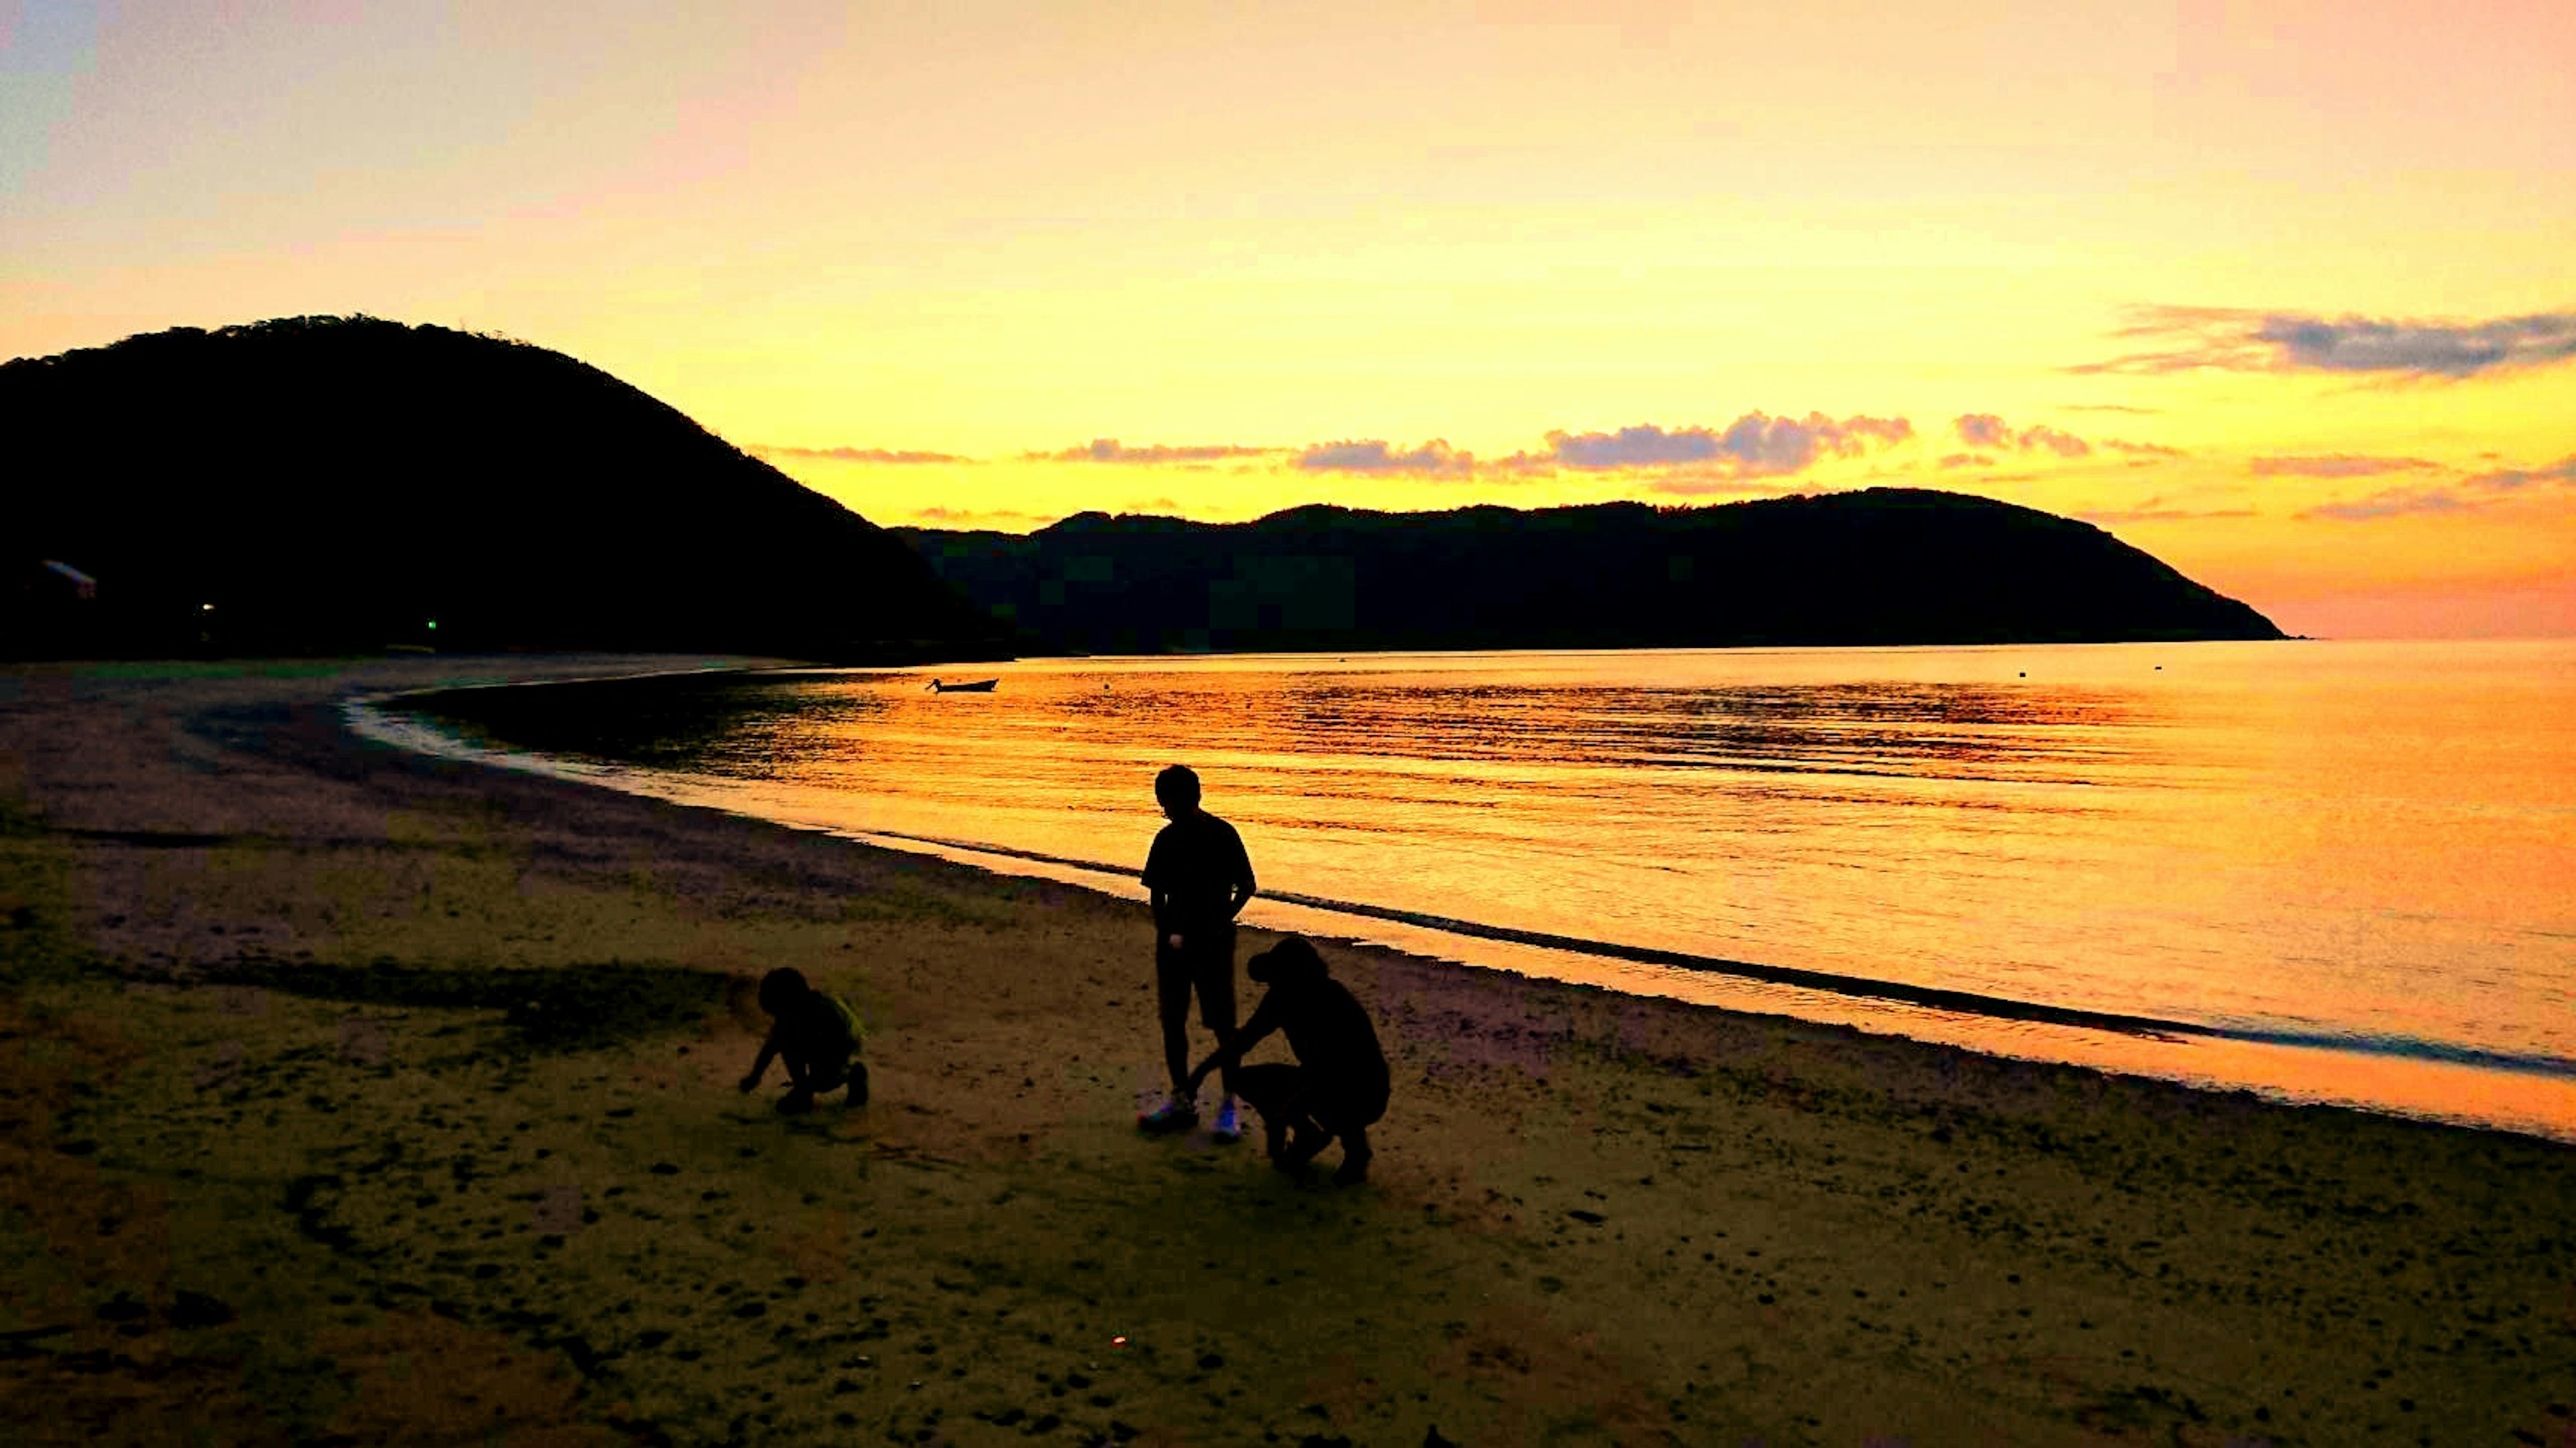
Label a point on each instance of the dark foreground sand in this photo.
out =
(349, 1097)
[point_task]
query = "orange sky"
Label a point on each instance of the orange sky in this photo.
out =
(2276, 292)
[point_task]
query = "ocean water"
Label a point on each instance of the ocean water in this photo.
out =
(2326, 871)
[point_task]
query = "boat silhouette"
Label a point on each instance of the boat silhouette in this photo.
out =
(979, 686)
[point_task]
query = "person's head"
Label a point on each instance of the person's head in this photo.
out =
(782, 989)
(1291, 961)
(1177, 790)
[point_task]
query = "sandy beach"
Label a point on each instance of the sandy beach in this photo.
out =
(357, 1097)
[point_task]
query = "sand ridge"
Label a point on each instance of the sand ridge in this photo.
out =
(379, 1097)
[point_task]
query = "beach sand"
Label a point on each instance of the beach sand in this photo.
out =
(351, 1096)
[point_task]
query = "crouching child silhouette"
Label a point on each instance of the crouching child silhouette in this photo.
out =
(1339, 1085)
(817, 1035)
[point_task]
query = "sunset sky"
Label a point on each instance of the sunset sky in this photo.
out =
(2282, 293)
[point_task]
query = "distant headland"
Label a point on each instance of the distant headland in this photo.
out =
(318, 484)
(1885, 566)
(323, 484)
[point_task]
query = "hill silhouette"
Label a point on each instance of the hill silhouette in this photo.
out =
(341, 483)
(1885, 566)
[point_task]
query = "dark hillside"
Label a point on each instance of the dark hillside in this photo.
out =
(330, 483)
(1886, 566)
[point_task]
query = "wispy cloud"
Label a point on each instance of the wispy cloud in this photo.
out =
(2334, 465)
(2478, 490)
(939, 517)
(2234, 339)
(2395, 503)
(2064, 444)
(2508, 480)
(1754, 445)
(1701, 484)
(2143, 449)
(1111, 450)
(1985, 429)
(852, 454)
(2157, 510)
(1967, 460)
(1373, 455)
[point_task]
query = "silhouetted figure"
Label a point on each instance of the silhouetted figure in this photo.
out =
(1339, 1085)
(816, 1035)
(1199, 879)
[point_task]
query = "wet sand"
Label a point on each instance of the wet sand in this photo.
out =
(350, 1095)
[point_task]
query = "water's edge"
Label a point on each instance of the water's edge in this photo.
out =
(381, 718)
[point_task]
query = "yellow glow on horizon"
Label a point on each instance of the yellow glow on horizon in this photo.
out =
(996, 231)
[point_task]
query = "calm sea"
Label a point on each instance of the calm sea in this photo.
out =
(2332, 871)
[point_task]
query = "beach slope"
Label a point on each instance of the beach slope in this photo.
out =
(356, 1096)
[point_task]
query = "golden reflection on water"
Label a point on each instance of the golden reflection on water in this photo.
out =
(2328, 840)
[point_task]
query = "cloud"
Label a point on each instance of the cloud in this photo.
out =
(2155, 510)
(2143, 449)
(2233, 339)
(1111, 450)
(2507, 480)
(1633, 447)
(2334, 465)
(1967, 460)
(2108, 407)
(1433, 459)
(2064, 444)
(1985, 429)
(1754, 445)
(2395, 503)
(938, 517)
(1702, 484)
(853, 454)
(2477, 490)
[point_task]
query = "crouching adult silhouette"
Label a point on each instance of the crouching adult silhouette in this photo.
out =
(1339, 1086)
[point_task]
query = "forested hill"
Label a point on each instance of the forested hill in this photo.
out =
(338, 483)
(1886, 566)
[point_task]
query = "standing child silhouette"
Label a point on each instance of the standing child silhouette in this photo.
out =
(1198, 878)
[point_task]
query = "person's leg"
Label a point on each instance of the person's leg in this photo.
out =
(829, 1072)
(1172, 995)
(1172, 1001)
(1355, 1156)
(800, 1072)
(1212, 973)
(1272, 1090)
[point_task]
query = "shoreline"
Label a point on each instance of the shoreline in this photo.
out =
(1594, 1218)
(2401, 1077)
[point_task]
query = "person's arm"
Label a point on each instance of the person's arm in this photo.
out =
(1240, 890)
(1161, 898)
(760, 1064)
(1265, 1019)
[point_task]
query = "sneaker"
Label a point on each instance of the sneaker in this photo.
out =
(1173, 1115)
(1226, 1127)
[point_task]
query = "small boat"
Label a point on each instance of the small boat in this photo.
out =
(980, 686)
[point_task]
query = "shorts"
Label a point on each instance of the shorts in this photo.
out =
(1205, 965)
